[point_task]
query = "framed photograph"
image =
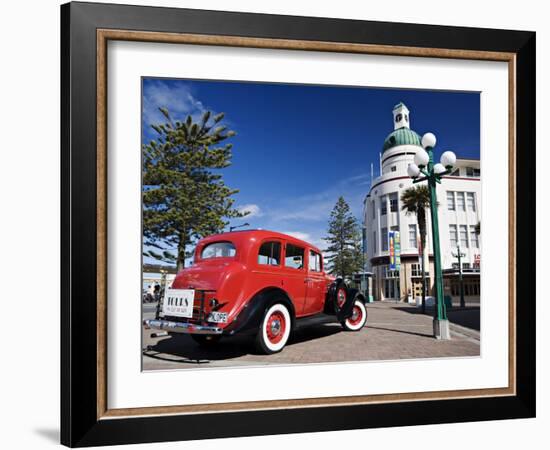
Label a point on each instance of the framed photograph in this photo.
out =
(275, 224)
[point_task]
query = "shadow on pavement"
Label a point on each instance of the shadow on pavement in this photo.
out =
(468, 317)
(181, 348)
(400, 331)
(313, 332)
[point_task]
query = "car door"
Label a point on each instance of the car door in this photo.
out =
(315, 284)
(294, 280)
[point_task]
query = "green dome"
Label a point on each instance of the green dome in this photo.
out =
(401, 136)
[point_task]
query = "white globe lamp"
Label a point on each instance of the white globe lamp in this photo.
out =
(429, 140)
(413, 171)
(439, 168)
(421, 158)
(448, 159)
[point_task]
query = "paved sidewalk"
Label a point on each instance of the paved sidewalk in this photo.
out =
(393, 331)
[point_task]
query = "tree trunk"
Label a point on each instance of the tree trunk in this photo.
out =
(181, 252)
(422, 229)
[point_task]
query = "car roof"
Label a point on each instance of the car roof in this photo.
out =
(245, 236)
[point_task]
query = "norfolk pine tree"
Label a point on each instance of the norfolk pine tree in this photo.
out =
(184, 196)
(344, 241)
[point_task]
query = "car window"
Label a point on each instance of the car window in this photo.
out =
(270, 253)
(314, 261)
(294, 257)
(218, 250)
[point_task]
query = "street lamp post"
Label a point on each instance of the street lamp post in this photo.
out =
(239, 226)
(460, 255)
(424, 164)
(163, 274)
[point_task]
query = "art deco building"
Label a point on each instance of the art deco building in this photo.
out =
(459, 197)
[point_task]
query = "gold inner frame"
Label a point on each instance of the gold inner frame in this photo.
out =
(104, 35)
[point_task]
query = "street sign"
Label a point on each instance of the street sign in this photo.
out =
(395, 250)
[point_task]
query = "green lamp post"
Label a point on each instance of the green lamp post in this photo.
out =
(432, 173)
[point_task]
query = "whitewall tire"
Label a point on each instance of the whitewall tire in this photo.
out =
(274, 329)
(358, 317)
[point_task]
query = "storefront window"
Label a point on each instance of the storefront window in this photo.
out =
(391, 283)
(471, 288)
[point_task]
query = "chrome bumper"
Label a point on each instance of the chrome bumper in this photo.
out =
(181, 327)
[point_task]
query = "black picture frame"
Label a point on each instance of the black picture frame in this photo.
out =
(80, 425)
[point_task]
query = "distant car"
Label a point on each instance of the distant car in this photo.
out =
(258, 282)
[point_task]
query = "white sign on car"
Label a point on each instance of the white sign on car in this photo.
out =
(178, 302)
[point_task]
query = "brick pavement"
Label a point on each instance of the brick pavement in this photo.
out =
(393, 331)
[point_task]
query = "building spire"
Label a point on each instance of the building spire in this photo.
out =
(401, 116)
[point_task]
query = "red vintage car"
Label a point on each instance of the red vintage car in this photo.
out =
(259, 282)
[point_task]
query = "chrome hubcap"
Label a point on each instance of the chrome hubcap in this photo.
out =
(275, 327)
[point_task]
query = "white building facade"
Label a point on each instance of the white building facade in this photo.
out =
(459, 197)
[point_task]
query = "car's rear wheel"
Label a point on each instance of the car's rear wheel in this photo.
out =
(358, 317)
(274, 330)
(206, 340)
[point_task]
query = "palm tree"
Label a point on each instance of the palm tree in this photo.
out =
(416, 200)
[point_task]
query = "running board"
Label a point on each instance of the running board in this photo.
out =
(317, 319)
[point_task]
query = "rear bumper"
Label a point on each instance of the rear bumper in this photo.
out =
(181, 327)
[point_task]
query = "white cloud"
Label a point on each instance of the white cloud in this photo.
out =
(298, 235)
(318, 206)
(252, 209)
(315, 240)
(305, 209)
(177, 98)
(359, 179)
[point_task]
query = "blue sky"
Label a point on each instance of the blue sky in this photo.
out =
(299, 147)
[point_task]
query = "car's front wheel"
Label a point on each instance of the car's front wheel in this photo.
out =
(274, 330)
(358, 317)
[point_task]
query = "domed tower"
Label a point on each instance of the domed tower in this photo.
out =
(401, 144)
(383, 211)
